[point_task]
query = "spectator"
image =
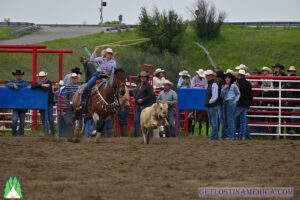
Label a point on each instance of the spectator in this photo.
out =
(199, 80)
(46, 85)
(242, 66)
(89, 68)
(158, 79)
(278, 72)
(256, 72)
(211, 102)
(18, 114)
(292, 71)
(184, 80)
(230, 94)
(170, 96)
(122, 114)
(67, 80)
(244, 102)
(143, 96)
(220, 82)
(74, 80)
(266, 71)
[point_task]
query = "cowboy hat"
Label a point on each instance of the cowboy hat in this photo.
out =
(242, 72)
(233, 79)
(200, 72)
(209, 72)
(184, 73)
(229, 71)
(42, 73)
(108, 50)
(74, 75)
(143, 74)
(18, 72)
(266, 69)
(255, 70)
(168, 82)
(158, 70)
(220, 74)
(76, 70)
(279, 65)
(242, 66)
(291, 69)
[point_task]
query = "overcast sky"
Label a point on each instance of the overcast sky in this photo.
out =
(79, 11)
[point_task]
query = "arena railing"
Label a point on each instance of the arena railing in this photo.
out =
(272, 111)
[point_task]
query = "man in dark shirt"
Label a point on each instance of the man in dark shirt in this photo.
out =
(278, 71)
(89, 68)
(18, 113)
(244, 102)
(46, 85)
(219, 81)
(143, 96)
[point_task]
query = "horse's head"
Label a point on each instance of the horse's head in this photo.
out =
(120, 80)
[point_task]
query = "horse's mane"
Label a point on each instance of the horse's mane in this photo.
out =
(119, 70)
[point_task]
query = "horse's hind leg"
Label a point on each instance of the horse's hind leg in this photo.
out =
(99, 128)
(83, 127)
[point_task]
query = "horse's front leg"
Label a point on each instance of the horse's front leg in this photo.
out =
(76, 131)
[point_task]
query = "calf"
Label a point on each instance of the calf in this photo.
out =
(152, 118)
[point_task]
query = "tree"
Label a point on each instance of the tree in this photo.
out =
(165, 29)
(206, 21)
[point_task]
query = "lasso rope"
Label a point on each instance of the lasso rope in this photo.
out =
(125, 43)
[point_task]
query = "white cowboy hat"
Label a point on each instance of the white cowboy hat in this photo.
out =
(168, 82)
(266, 69)
(242, 66)
(229, 71)
(61, 83)
(209, 72)
(42, 73)
(74, 75)
(184, 73)
(201, 73)
(108, 50)
(242, 72)
(292, 68)
(158, 70)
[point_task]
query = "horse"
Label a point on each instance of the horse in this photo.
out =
(101, 103)
(201, 115)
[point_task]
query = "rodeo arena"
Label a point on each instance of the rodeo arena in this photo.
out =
(104, 134)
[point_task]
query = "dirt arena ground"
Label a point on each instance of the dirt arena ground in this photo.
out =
(124, 168)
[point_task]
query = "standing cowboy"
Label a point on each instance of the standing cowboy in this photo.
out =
(199, 80)
(211, 102)
(278, 71)
(46, 85)
(244, 102)
(142, 97)
(292, 71)
(106, 68)
(170, 96)
(18, 113)
(67, 81)
(89, 68)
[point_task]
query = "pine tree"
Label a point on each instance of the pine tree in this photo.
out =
(6, 189)
(19, 189)
(15, 181)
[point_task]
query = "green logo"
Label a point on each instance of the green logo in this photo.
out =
(12, 189)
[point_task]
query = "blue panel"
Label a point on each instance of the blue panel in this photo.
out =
(191, 99)
(23, 98)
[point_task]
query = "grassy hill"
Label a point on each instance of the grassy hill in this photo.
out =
(254, 47)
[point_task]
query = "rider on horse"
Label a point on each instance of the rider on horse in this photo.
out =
(106, 67)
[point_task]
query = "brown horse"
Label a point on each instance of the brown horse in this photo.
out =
(101, 103)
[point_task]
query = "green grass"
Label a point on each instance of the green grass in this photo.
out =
(5, 33)
(252, 46)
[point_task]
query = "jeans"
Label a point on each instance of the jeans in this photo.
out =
(18, 114)
(137, 115)
(50, 119)
(241, 113)
(170, 131)
(122, 116)
(213, 120)
(222, 120)
(89, 85)
(107, 126)
(229, 120)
